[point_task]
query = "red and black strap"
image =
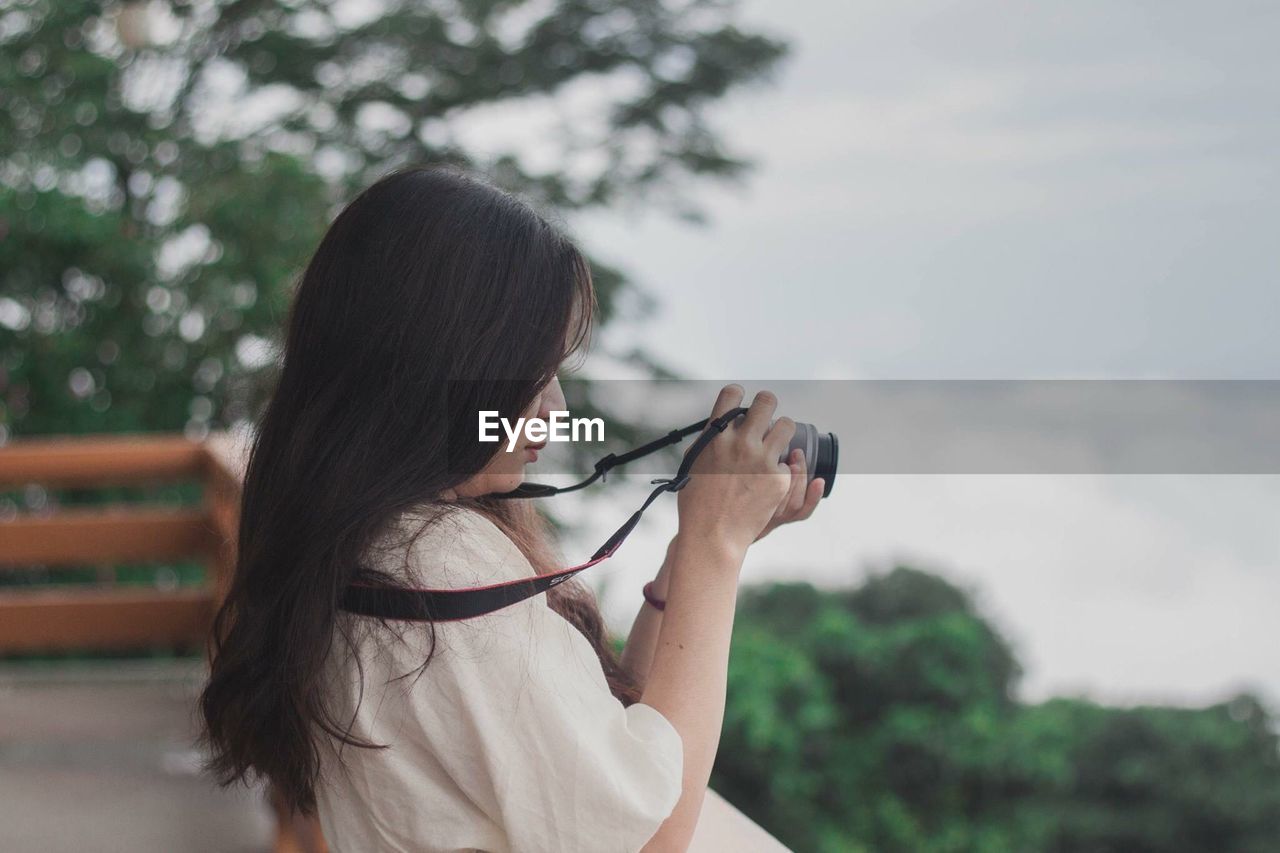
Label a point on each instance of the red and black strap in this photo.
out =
(449, 605)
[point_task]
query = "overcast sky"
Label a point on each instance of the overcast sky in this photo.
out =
(1001, 190)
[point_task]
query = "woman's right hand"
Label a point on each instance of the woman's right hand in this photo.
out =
(738, 482)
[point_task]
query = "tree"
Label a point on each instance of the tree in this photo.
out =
(883, 718)
(167, 167)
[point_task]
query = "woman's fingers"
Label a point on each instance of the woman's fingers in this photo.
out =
(759, 415)
(730, 397)
(789, 503)
(795, 495)
(812, 495)
(803, 495)
(779, 436)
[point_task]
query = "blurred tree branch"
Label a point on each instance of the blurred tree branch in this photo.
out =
(167, 167)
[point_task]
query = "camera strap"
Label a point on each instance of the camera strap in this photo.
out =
(449, 605)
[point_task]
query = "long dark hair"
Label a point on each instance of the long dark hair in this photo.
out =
(429, 277)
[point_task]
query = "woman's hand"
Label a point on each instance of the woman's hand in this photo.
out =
(738, 485)
(802, 498)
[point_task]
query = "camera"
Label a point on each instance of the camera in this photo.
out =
(821, 453)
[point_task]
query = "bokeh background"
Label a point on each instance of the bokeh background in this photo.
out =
(769, 191)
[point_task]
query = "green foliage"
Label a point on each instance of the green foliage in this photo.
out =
(164, 178)
(113, 343)
(883, 718)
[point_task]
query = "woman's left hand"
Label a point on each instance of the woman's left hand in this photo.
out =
(800, 500)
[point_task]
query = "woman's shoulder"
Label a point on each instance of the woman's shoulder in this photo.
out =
(437, 547)
(449, 546)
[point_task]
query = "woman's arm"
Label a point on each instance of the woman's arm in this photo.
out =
(736, 487)
(637, 654)
(687, 679)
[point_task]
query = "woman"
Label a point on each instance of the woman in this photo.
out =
(434, 296)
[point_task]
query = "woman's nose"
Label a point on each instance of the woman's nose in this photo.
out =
(552, 399)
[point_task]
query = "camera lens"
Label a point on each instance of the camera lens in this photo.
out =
(821, 454)
(828, 459)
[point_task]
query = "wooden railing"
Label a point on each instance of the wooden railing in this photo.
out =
(111, 617)
(104, 616)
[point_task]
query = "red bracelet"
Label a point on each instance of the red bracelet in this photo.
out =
(658, 603)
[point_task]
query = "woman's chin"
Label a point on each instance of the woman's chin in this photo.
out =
(502, 483)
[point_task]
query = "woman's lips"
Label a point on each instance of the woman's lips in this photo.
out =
(532, 450)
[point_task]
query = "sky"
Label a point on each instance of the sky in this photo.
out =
(989, 191)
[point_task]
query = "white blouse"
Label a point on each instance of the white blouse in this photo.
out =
(509, 740)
